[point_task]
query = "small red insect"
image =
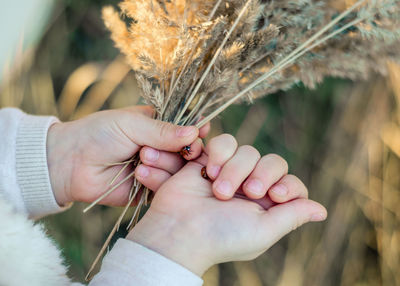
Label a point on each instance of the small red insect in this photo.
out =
(186, 151)
(204, 173)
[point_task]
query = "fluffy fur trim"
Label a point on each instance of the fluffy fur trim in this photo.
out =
(27, 255)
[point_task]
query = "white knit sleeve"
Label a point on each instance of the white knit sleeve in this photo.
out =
(24, 176)
(129, 263)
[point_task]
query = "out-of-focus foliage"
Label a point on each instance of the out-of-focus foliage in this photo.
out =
(22, 32)
(341, 139)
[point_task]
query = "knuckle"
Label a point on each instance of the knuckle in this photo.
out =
(250, 150)
(226, 140)
(295, 184)
(222, 146)
(140, 110)
(136, 117)
(141, 154)
(212, 144)
(147, 110)
(292, 179)
(279, 159)
(164, 129)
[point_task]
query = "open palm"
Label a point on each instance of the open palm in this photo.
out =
(216, 230)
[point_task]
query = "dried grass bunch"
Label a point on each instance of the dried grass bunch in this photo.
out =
(194, 58)
(171, 45)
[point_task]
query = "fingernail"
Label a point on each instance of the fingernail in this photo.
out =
(255, 186)
(214, 171)
(151, 154)
(280, 190)
(185, 131)
(224, 188)
(142, 171)
(318, 217)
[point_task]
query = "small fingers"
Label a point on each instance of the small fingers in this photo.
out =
(235, 171)
(203, 131)
(151, 177)
(268, 171)
(220, 149)
(194, 150)
(283, 218)
(168, 161)
(202, 160)
(288, 188)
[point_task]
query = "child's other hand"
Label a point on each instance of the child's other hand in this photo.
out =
(78, 151)
(189, 225)
(241, 169)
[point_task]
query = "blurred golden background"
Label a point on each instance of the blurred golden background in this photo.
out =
(342, 140)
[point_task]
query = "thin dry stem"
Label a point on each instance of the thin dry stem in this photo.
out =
(119, 173)
(107, 242)
(118, 163)
(109, 191)
(137, 211)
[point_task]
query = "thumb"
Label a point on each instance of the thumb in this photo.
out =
(145, 131)
(284, 218)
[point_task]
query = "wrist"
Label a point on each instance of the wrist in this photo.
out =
(172, 240)
(57, 162)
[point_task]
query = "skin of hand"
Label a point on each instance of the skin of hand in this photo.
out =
(250, 203)
(79, 152)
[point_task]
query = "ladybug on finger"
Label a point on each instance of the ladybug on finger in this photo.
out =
(186, 151)
(204, 173)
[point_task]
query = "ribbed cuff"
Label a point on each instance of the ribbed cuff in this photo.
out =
(31, 164)
(129, 263)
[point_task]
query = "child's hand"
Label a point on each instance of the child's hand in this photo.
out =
(78, 151)
(187, 224)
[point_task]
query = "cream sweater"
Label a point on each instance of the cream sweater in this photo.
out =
(27, 256)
